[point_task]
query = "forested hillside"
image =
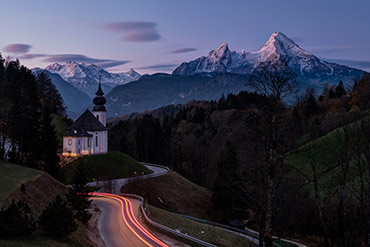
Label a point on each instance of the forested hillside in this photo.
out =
(248, 146)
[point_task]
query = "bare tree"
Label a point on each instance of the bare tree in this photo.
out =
(315, 174)
(274, 80)
(270, 128)
(361, 187)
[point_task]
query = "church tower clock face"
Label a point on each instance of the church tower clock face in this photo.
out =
(69, 142)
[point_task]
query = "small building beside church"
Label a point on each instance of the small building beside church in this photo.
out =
(88, 135)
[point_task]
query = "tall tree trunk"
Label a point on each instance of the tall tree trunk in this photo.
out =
(269, 211)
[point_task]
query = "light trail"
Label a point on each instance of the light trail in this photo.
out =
(129, 205)
(128, 216)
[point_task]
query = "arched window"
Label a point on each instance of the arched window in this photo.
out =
(96, 140)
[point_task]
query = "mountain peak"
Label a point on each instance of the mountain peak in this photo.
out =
(222, 52)
(279, 41)
(133, 73)
(280, 45)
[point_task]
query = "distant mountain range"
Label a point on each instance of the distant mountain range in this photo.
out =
(85, 77)
(223, 72)
(311, 71)
(208, 77)
(78, 82)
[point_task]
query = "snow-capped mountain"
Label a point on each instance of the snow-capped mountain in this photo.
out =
(311, 70)
(85, 76)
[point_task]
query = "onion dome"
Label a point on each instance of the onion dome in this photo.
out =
(99, 100)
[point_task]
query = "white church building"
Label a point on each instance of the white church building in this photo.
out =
(88, 135)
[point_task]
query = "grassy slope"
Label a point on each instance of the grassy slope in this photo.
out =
(12, 176)
(176, 194)
(324, 150)
(105, 167)
(198, 230)
(40, 190)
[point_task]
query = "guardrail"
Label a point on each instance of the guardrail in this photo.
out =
(156, 165)
(120, 182)
(165, 228)
(248, 232)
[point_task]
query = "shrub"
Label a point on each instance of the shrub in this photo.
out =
(16, 220)
(57, 220)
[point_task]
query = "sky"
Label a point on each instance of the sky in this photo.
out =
(157, 35)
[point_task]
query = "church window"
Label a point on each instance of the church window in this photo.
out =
(96, 140)
(97, 117)
(79, 142)
(88, 142)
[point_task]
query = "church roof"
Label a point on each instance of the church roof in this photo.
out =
(86, 122)
(77, 132)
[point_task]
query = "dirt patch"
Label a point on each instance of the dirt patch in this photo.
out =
(92, 227)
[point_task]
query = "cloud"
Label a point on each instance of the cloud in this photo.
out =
(112, 63)
(17, 48)
(31, 56)
(361, 64)
(134, 31)
(129, 26)
(142, 36)
(104, 63)
(62, 58)
(183, 50)
(162, 67)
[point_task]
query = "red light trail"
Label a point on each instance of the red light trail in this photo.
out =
(128, 216)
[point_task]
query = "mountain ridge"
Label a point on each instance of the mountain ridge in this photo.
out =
(85, 76)
(279, 47)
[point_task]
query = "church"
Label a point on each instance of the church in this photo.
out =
(88, 135)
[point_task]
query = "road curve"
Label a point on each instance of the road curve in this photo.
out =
(117, 184)
(118, 224)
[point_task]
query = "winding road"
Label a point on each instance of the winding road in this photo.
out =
(119, 224)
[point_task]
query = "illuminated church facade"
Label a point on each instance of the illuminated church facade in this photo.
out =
(88, 135)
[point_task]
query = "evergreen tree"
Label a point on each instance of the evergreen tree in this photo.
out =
(296, 121)
(149, 139)
(339, 90)
(4, 104)
(24, 114)
(49, 145)
(225, 190)
(331, 94)
(49, 95)
(16, 220)
(78, 196)
(57, 220)
(311, 107)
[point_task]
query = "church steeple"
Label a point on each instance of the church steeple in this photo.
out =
(99, 110)
(99, 99)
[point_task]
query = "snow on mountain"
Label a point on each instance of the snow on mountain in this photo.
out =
(308, 67)
(85, 76)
